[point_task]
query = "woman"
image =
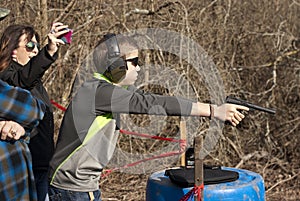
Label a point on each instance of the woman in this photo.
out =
(16, 177)
(89, 130)
(24, 66)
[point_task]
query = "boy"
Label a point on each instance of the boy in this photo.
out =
(89, 130)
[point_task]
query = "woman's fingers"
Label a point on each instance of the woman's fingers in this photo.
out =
(11, 130)
(58, 29)
(19, 131)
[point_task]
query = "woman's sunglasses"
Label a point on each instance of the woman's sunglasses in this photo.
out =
(134, 61)
(31, 45)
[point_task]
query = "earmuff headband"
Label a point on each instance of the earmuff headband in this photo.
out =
(116, 66)
(112, 45)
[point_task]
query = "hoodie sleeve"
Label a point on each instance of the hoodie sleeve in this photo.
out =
(26, 76)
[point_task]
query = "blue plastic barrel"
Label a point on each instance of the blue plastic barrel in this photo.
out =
(249, 187)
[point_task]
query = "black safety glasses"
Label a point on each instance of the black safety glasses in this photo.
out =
(134, 61)
(31, 45)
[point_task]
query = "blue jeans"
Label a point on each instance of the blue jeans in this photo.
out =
(41, 183)
(57, 194)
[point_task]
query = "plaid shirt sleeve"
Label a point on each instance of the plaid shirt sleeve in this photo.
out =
(16, 176)
(18, 105)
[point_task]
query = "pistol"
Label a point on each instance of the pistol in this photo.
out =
(251, 106)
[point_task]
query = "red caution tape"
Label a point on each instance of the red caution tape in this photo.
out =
(196, 190)
(58, 106)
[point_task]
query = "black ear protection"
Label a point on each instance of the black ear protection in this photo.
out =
(116, 66)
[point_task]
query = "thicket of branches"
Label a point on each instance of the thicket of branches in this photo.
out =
(255, 45)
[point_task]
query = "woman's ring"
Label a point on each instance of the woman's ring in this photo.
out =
(52, 31)
(13, 133)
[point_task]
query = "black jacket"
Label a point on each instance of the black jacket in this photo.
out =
(29, 77)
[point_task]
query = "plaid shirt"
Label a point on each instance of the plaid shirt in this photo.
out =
(16, 176)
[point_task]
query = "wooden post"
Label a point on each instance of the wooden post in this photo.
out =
(199, 178)
(182, 137)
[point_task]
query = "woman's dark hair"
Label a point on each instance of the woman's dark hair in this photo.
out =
(10, 41)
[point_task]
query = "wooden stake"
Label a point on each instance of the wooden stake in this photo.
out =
(199, 178)
(182, 137)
